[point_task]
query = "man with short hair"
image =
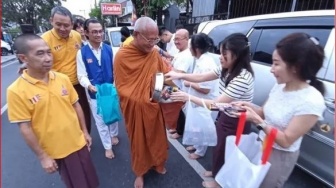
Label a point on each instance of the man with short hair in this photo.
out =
(45, 106)
(126, 34)
(168, 38)
(95, 67)
(134, 68)
(64, 44)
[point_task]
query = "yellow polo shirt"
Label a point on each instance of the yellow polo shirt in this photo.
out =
(128, 41)
(49, 109)
(64, 52)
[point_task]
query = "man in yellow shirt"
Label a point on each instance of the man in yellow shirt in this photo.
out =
(126, 34)
(64, 44)
(45, 106)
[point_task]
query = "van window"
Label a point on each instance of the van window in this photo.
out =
(116, 38)
(269, 37)
(219, 33)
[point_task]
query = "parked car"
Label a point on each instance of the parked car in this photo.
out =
(5, 48)
(264, 31)
(113, 37)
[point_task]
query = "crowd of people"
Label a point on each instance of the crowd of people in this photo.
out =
(54, 99)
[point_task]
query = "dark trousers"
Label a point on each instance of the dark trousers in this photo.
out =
(225, 126)
(83, 101)
(77, 170)
(180, 123)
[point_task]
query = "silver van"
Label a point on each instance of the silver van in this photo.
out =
(264, 31)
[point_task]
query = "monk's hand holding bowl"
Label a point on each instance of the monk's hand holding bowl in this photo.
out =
(179, 96)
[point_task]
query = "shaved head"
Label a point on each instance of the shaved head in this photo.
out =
(146, 34)
(145, 23)
(21, 42)
(183, 33)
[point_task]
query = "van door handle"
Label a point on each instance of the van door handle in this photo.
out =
(330, 103)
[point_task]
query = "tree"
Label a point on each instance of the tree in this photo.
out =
(35, 12)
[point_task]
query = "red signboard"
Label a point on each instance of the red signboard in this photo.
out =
(111, 8)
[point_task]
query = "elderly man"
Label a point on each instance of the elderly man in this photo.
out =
(64, 44)
(182, 62)
(134, 68)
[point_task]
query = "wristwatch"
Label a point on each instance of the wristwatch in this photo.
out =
(262, 125)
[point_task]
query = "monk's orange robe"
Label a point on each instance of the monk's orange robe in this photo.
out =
(134, 71)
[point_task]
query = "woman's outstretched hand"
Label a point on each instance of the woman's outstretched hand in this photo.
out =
(251, 115)
(172, 75)
(179, 96)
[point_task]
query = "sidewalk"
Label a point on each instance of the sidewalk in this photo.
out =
(7, 58)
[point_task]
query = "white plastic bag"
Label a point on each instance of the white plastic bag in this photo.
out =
(245, 160)
(199, 126)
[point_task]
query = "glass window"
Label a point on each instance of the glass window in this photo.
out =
(269, 38)
(116, 38)
(219, 33)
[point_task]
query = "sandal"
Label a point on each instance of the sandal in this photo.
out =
(210, 184)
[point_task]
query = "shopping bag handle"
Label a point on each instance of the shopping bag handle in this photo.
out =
(241, 126)
(270, 138)
(188, 93)
(204, 105)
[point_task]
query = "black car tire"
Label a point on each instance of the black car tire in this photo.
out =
(4, 52)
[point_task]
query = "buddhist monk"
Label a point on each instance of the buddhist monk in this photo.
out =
(134, 68)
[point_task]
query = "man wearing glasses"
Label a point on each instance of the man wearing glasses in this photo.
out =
(95, 67)
(134, 68)
(64, 44)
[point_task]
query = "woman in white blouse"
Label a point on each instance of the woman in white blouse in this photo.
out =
(236, 83)
(294, 104)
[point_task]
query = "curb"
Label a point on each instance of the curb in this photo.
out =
(8, 60)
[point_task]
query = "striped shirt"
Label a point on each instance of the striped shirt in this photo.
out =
(239, 88)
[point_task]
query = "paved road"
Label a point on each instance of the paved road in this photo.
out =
(20, 168)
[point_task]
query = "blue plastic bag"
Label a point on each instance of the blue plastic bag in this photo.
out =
(108, 105)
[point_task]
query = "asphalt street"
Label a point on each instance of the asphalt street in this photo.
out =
(21, 169)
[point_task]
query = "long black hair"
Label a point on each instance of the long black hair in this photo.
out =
(202, 42)
(239, 46)
(303, 52)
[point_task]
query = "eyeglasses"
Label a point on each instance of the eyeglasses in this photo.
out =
(95, 32)
(150, 41)
(178, 39)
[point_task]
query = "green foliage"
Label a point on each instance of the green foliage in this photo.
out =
(35, 12)
(95, 13)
